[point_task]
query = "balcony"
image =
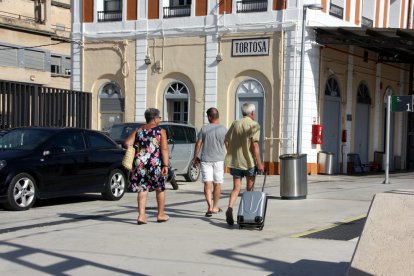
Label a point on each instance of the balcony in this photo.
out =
(109, 16)
(177, 11)
(336, 11)
(366, 22)
(245, 6)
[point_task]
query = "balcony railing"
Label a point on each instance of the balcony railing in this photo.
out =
(108, 16)
(367, 22)
(177, 11)
(17, 16)
(251, 6)
(336, 11)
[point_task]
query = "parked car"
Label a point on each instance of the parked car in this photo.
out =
(42, 162)
(181, 142)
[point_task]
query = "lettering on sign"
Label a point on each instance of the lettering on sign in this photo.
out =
(250, 47)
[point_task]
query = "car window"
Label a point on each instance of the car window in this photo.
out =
(70, 141)
(178, 134)
(99, 141)
(121, 131)
(191, 134)
(23, 138)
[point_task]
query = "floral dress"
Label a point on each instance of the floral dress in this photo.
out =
(146, 172)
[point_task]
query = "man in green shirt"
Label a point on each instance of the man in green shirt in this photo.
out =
(243, 154)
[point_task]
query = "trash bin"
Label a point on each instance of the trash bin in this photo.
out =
(293, 176)
(326, 162)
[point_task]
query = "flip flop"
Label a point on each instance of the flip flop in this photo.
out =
(219, 211)
(163, 220)
(209, 214)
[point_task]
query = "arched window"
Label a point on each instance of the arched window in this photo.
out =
(111, 105)
(363, 94)
(176, 96)
(332, 87)
(250, 88)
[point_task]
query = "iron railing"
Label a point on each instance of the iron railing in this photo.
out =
(251, 6)
(108, 16)
(177, 11)
(336, 11)
(24, 104)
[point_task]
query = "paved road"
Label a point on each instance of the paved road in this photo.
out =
(86, 235)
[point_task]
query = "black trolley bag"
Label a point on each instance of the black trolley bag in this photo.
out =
(252, 208)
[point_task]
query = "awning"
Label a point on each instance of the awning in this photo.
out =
(392, 44)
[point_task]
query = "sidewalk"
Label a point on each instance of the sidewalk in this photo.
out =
(102, 238)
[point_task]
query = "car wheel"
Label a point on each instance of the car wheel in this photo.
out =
(115, 186)
(21, 194)
(193, 173)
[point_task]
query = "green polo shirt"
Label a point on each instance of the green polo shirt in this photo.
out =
(239, 138)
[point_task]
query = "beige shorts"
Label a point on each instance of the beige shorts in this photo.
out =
(212, 171)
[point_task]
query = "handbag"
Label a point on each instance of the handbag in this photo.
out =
(128, 158)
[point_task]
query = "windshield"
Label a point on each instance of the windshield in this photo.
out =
(27, 139)
(121, 132)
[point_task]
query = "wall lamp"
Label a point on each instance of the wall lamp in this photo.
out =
(147, 60)
(302, 58)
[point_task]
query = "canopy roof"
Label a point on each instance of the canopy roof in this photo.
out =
(392, 44)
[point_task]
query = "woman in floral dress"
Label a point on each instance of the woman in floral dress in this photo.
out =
(150, 166)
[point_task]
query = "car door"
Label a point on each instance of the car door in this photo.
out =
(103, 154)
(62, 164)
(180, 149)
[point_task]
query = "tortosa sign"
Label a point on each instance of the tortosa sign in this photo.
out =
(250, 47)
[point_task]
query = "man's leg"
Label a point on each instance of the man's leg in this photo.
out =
(233, 196)
(250, 182)
(216, 197)
(208, 185)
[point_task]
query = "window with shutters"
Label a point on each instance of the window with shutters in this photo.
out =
(8, 56)
(55, 64)
(34, 59)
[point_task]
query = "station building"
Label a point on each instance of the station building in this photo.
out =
(184, 56)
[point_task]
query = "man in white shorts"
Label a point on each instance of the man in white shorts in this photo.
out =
(211, 140)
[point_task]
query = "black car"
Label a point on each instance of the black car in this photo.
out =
(39, 162)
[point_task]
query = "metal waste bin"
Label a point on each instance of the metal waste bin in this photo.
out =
(326, 162)
(293, 176)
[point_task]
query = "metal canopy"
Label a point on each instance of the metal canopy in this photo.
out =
(392, 44)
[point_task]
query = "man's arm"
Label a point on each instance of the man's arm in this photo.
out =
(197, 150)
(256, 153)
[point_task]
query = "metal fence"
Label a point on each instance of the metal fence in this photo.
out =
(24, 104)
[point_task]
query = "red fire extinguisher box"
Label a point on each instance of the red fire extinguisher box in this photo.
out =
(317, 134)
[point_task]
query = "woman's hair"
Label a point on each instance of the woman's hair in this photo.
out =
(247, 108)
(150, 114)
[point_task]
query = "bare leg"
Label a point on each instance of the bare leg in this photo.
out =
(142, 202)
(233, 196)
(250, 182)
(216, 196)
(161, 216)
(208, 185)
(235, 192)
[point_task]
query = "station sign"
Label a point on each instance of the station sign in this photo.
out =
(402, 103)
(250, 47)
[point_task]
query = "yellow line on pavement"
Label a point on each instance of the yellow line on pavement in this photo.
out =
(327, 227)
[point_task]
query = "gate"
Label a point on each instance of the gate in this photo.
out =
(23, 104)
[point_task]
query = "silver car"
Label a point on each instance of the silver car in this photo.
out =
(181, 141)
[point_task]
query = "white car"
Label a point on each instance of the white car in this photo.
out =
(181, 141)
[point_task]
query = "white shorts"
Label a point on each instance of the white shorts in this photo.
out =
(212, 171)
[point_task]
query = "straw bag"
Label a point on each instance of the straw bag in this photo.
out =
(128, 158)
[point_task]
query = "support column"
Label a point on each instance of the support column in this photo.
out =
(210, 93)
(141, 75)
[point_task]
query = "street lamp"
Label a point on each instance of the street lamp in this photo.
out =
(302, 54)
